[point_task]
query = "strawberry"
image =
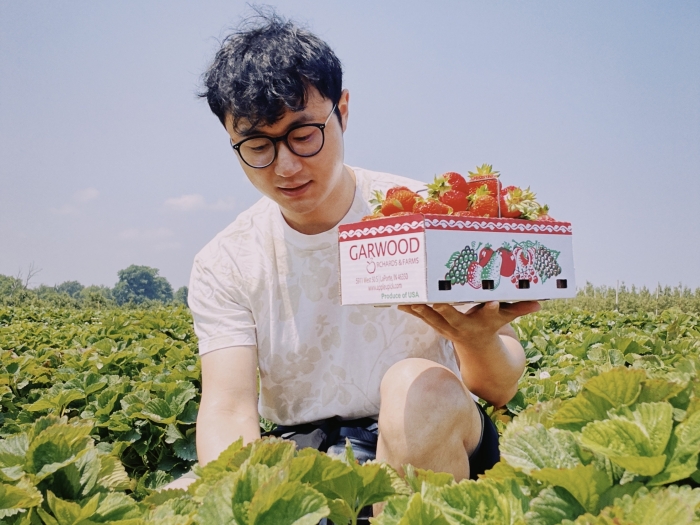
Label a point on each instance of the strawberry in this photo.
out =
(543, 214)
(484, 175)
(517, 203)
(524, 264)
(396, 201)
(507, 261)
(401, 213)
(474, 274)
(483, 204)
(371, 217)
(485, 255)
(464, 214)
(444, 189)
(432, 207)
(391, 191)
(456, 200)
(456, 181)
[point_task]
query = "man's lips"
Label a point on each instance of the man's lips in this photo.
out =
(295, 190)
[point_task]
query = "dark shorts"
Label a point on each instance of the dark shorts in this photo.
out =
(329, 436)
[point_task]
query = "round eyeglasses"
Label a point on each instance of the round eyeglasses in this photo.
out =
(305, 140)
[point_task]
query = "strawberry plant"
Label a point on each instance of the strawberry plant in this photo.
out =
(99, 409)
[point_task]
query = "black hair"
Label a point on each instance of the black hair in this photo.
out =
(266, 67)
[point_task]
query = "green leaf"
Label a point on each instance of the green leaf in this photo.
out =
(312, 467)
(116, 506)
(360, 486)
(271, 452)
(282, 502)
(421, 512)
(659, 390)
(15, 498)
(667, 506)
(70, 513)
(178, 395)
(683, 451)
(575, 413)
(105, 403)
(172, 434)
(393, 511)
(13, 450)
(484, 501)
(585, 483)
(157, 410)
(625, 443)
(416, 477)
(619, 387)
(618, 491)
(112, 475)
(186, 448)
(551, 506)
(56, 447)
(57, 402)
(656, 420)
(536, 447)
(247, 481)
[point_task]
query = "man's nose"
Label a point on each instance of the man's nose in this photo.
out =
(287, 163)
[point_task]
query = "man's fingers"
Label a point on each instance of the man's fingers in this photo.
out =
(427, 314)
(454, 317)
(520, 308)
(504, 313)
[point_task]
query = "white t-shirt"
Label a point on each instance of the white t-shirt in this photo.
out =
(260, 283)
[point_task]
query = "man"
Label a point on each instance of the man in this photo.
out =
(264, 292)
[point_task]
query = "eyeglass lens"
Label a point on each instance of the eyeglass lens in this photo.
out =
(305, 141)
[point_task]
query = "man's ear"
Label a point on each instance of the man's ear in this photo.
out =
(344, 108)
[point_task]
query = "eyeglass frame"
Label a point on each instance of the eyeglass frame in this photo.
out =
(285, 137)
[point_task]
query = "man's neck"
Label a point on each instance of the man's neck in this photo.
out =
(342, 199)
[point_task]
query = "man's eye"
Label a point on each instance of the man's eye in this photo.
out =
(303, 138)
(257, 146)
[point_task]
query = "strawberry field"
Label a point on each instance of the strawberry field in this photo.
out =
(99, 410)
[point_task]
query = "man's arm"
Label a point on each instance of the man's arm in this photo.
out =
(491, 359)
(229, 406)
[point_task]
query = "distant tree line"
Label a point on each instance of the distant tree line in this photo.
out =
(630, 299)
(142, 286)
(137, 286)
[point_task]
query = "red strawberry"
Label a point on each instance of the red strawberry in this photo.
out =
(391, 191)
(446, 182)
(484, 175)
(517, 203)
(474, 274)
(432, 207)
(543, 214)
(371, 217)
(485, 255)
(456, 181)
(507, 262)
(456, 200)
(401, 213)
(464, 214)
(483, 203)
(400, 200)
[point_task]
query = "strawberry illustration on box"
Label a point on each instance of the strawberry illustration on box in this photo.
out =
(417, 250)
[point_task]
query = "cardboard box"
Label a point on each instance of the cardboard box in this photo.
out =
(416, 258)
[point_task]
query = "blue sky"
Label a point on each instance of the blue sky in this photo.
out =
(107, 157)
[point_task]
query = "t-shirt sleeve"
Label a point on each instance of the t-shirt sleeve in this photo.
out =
(220, 308)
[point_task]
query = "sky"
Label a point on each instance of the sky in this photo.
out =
(108, 158)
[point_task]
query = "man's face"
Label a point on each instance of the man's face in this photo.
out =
(311, 191)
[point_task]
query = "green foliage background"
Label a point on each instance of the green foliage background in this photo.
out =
(99, 407)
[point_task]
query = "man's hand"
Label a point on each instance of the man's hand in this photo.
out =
(479, 324)
(490, 356)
